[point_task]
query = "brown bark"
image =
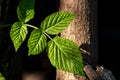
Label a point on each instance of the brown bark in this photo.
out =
(104, 74)
(91, 73)
(82, 30)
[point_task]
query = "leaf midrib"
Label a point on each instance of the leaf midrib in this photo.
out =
(56, 24)
(37, 43)
(64, 52)
(19, 33)
(61, 50)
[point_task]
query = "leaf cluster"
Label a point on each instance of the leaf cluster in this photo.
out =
(64, 54)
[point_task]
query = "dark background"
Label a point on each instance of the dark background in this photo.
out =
(108, 32)
(109, 35)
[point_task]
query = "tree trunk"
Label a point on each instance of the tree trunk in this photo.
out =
(82, 30)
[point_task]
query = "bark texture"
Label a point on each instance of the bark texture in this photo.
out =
(82, 30)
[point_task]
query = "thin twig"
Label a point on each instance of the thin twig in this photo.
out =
(7, 25)
(47, 35)
(31, 26)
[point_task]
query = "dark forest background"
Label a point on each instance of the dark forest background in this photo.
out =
(108, 32)
(109, 35)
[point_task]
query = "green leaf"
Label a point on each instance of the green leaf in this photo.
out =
(56, 22)
(37, 42)
(65, 55)
(25, 10)
(1, 77)
(18, 34)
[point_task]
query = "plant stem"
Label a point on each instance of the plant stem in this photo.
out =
(31, 26)
(7, 25)
(47, 35)
(38, 28)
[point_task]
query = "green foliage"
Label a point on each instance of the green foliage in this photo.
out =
(37, 42)
(63, 54)
(18, 34)
(56, 22)
(1, 77)
(25, 10)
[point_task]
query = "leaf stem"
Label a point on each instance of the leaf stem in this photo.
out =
(31, 26)
(7, 25)
(47, 35)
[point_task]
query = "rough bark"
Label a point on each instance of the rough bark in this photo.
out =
(104, 74)
(82, 30)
